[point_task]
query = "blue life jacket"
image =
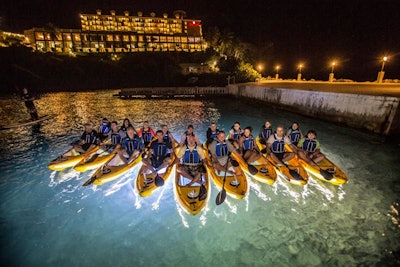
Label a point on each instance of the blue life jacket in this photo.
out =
(115, 138)
(237, 135)
(248, 143)
(89, 138)
(278, 146)
(159, 149)
(166, 138)
(221, 149)
(132, 144)
(191, 157)
(309, 145)
(146, 135)
(266, 133)
(104, 128)
(295, 136)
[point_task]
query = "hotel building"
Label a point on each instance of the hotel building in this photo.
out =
(122, 34)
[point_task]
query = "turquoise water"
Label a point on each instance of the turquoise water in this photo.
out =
(48, 219)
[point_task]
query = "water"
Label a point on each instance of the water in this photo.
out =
(49, 219)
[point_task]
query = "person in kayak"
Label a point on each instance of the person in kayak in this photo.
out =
(276, 146)
(116, 135)
(212, 132)
(132, 145)
(294, 133)
(220, 150)
(126, 124)
(265, 132)
(88, 139)
(159, 155)
(235, 133)
(28, 99)
(309, 148)
(168, 138)
(248, 148)
(190, 158)
(146, 133)
(189, 131)
(104, 129)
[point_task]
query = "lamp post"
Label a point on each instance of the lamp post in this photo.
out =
(382, 72)
(299, 73)
(277, 72)
(331, 75)
(259, 69)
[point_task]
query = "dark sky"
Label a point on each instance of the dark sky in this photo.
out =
(355, 33)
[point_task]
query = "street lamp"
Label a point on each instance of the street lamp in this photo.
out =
(331, 75)
(299, 74)
(277, 72)
(382, 73)
(333, 66)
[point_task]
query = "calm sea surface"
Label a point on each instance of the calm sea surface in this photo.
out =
(48, 219)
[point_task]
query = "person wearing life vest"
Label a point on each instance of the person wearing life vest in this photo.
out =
(168, 138)
(220, 150)
(159, 155)
(131, 146)
(146, 133)
(235, 133)
(190, 158)
(212, 132)
(125, 124)
(189, 131)
(276, 147)
(309, 148)
(265, 132)
(294, 133)
(88, 139)
(116, 136)
(104, 129)
(247, 146)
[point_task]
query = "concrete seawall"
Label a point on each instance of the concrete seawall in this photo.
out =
(373, 112)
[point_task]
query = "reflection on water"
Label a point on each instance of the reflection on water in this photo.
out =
(277, 225)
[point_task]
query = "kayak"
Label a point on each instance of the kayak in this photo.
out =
(70, 159)
(236, 186)
(325, 170)
(264, 173)
(192, 198)
(293, 172)
(95, 161)
(27, 122)
(145, 182)
(106, 174)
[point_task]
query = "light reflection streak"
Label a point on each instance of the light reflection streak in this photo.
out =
(256, 187)
(182, 214)
(320, 186)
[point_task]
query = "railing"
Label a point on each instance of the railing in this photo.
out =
(170, 92)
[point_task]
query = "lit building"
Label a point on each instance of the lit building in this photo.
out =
(122, 33)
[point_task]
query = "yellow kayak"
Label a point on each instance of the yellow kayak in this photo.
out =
(145, 183)
(236, 186)
(106, 174)
(293, 172)
(264, 173)
(94, 161)
(70, 159)
(192, 198)
(325, 170)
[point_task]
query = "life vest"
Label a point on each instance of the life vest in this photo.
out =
(104, 128)
(159, 149)
(146, 135)
(213, 134)
(221, 149)
(266, 133)
(278, 146)
(248, 143)
(90, 137)
(309, 145)
(237, 135)
(191, 157)
(294, 136)
(166, 138)
(132, 144)
(115, 138)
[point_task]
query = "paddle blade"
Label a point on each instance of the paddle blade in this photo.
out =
(159, 181)
(253, 170)
(234, 162)
(202, 193)
(327, 175)
(263, 151)
(220, 197)
(295, 175)
(90, 180)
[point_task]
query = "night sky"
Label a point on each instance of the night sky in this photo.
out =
(357, 34)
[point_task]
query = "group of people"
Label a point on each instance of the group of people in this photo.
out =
(157, 147)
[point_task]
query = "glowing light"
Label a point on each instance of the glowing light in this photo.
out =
(333, 65)
(385, 58)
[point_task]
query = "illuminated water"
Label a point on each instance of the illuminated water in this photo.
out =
(49, 219)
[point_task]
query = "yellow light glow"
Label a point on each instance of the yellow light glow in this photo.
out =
(385, 58)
